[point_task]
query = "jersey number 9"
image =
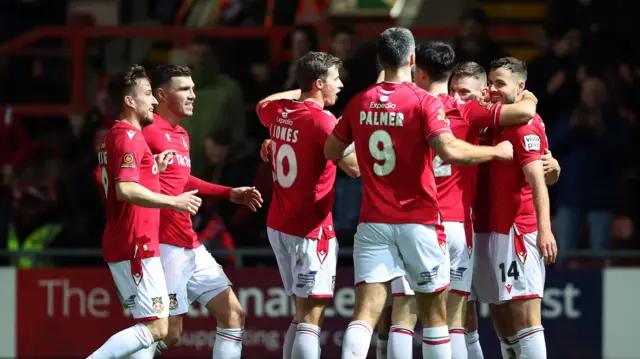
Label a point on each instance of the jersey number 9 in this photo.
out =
(381, 149)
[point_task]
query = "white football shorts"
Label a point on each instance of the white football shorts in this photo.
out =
(460, 242)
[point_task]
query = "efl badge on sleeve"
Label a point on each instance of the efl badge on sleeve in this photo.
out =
(128, 161)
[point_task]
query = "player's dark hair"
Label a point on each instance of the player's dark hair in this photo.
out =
(394, 47)
(162, 74)
(437, 59)
(123, 83)
(470, 69)
(342, 29)
(313, 66)
(511, 64)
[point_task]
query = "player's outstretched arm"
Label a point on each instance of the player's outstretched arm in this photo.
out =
(534, 173)
(286, 95)
(335, 149)
(137, 194)
(455, 151)
(349, 164)
(519, 112)
(208, 189)
(551, 168)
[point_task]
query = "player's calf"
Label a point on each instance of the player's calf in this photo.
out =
(474, 350)
(309, 314)
(230, 319)
(525, 327)
(384, 324)
(432, 312)
(456, 309)
(403, 320)
(370, 300)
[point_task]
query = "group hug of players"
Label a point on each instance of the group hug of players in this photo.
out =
(454, 165)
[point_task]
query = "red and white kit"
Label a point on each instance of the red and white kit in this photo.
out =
(130, 241)
(300, 223)
(399, 233)
(191, 272)
(509, 260)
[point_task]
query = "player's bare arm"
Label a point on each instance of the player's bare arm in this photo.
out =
(534, 173)
(335, 149)
(455, 151)
(265, 150)
(349, 164)
(551, 168)
(135, 193)
(286, 95)
(519, 112)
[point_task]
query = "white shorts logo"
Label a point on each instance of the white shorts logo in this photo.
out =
(532, 143)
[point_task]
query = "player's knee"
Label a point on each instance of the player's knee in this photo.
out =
(456, 305)
(525, 313)
(159, 328)
(311, 310)
(236, 316)
(471, 317)
(432, 308)
(405, 311)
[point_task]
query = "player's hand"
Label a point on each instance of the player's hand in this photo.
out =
(247, 196)
(504, 151)
(187, 202)
(529, 96)
(163, 159)
(549, 164)
(265, 150)
(546, 243)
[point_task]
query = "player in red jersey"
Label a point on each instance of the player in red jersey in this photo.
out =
(130, 246)
(392, 125)
(300, 223)
(456, 187)
(511, 262)
(192, 274)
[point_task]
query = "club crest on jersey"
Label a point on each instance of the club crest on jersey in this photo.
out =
(184, 143)
(156, 304)
(173, 301)
(487, 105)
(128, 161)
(442, 116)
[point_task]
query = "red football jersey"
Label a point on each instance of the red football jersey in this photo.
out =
(175, 227)
(303, 179)
(391, 125)
(131, 231)
(457, 184)
(511, 195)
(482, 197)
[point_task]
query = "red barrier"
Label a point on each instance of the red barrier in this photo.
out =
(71, 312)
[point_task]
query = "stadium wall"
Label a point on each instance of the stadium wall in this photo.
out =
(587, 314)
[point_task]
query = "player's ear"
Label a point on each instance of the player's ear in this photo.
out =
(319, 84)
(412, 59)
(160, 94)
(129, 101)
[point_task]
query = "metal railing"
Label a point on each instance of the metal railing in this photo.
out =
(76, 39)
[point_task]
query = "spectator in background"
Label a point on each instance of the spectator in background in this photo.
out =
(301, 40)
(555, 75)
(590, 143)
(220, 104)
(15, 146)
(474, 43)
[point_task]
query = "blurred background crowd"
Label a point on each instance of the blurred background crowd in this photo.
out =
(584, 67)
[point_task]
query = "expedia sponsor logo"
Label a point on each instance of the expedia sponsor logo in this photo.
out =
(284, 121)
(382, 105)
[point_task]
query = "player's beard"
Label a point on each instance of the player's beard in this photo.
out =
(510, 98)
(145, 118)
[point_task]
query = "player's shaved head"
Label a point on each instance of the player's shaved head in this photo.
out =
(123, 84)
(314, 66)
(162, 74)
(511, 64)
(395, 46)
(470, 69)
(436, 59)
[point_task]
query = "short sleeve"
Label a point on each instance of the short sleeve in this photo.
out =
(327, 122)
(127, 154)
(526, 141)
(267, 112)
(342, 130)
(480, 113)
(434, 120)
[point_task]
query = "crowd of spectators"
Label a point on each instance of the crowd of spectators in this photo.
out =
(587, 81)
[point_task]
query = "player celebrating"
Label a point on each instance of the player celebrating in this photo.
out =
(130, 243)
(511, 262)
(392, 125)
(300, 224)
(191, 272)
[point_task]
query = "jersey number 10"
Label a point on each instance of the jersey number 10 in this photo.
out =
(279, 154)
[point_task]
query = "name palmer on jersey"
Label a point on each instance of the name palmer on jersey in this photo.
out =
(382, 118)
